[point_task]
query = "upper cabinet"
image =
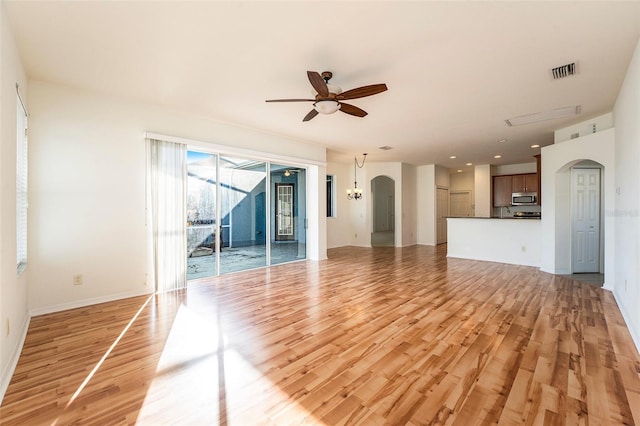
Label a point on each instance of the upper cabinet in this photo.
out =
(502, 189)
(525, 183)
(505, 185)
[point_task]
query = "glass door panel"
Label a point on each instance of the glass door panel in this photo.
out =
(202, 229)
(288, 213)
(243, 214)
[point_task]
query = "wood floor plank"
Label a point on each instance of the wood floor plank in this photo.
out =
(402, 336)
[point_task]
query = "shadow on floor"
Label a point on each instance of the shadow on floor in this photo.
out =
(382, 239)
(593, 279)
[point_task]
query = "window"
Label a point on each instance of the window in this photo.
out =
(21, 187)
(331, 191)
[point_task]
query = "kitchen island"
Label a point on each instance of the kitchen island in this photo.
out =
(509, 240)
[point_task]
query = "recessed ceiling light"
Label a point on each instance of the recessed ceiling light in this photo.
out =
(459, 171)
(497, 156)
(545, 115)
(535, 146)
(452, 157)
(502, 140)
(386, 148)
(469, 164)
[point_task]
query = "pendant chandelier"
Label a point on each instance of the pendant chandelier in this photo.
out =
(356, 193)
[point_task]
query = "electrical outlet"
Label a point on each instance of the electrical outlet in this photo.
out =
(77, 279)
(8, 331)
(523, 248)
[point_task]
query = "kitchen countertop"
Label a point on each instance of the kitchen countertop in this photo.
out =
(499, 218)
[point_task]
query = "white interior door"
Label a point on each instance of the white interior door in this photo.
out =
(442, 211)
(585, 224)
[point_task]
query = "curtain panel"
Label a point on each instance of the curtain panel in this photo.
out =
(166, 216)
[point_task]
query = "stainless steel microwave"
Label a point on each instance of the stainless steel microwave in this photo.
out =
(524, 198)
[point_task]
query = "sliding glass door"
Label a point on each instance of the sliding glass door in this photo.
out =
(202, 227)
(241, 217)
(288, 213)
(244, 214)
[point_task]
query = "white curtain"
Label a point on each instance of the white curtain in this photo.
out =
(166, 216)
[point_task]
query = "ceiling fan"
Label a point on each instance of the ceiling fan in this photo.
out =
(329, 97)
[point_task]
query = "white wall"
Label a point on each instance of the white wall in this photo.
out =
(316, 212)
(443, 177)
(356, 228)
(339, 227)
(584, 128)
(372, 170)
(409, 206)
(464, 181)
(482, 180)
(557, 161)
(359, 221)
(511, 241)
(514, 169)
(626, 286)
(87, 186)
(14, 315)
(425, 204)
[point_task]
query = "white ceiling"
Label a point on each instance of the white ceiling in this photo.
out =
(455, 70)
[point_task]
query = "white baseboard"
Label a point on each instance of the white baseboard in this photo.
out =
(86, 302)
(5, 379)
(635, 334)
(519, 262)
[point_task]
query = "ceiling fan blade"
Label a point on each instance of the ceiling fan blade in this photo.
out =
(318, 83)
(352, 110)
(363, 91)
(311, 114)
(290, 100)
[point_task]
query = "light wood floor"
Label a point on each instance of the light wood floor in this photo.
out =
(371, 336)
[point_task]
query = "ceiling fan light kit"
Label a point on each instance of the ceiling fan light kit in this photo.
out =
(327, 107)
(328, 98)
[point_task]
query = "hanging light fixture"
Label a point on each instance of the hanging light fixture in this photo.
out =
(356, 193)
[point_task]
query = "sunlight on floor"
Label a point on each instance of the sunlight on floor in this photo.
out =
(211, 383)
(106, 354)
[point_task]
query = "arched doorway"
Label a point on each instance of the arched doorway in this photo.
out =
(586, 216)
(383, 212)
(580, 220)
(557, 161)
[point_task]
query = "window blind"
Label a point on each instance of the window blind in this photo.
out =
(21, 187)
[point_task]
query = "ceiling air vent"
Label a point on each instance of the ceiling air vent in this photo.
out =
(563, 71)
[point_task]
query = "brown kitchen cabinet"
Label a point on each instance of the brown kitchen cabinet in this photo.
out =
(502, 189)
(505, 185)
(525, 183)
